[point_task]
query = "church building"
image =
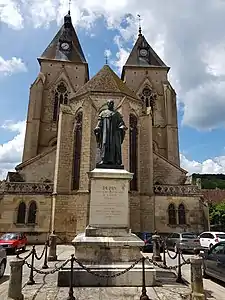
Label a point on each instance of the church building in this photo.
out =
(50, 190)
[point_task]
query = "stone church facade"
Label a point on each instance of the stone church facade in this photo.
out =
(50, 189)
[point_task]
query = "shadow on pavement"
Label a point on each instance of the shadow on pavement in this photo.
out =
(4, 278)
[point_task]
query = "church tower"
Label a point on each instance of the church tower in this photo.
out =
(63, 70)
(146, 75)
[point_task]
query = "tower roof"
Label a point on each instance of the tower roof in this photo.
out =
(68, 34)
(106, 81)
(151, 58)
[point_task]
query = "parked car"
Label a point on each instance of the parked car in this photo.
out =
(210, 238)
(214, 261)
(3, 261)
(13, 241)
(147, 238)
(187, 241)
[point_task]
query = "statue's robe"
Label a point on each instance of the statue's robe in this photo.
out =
(111, 136)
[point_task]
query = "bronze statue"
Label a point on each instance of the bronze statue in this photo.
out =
(110, 133)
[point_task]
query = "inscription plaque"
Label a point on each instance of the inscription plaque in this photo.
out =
(109, 203)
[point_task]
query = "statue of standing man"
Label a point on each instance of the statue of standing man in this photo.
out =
(110, 133)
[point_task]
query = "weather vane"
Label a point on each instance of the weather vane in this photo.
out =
(69, 4)
(139, 21)
(106, 58)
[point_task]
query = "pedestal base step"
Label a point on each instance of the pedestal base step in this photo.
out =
(129, 279)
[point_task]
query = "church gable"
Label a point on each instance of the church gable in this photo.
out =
(105, 81)
(40, 168)
(166, 172)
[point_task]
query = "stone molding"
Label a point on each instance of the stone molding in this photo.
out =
(177, 190)
(25, 188)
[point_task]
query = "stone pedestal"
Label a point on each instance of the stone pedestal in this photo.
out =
(15, 281)
(108, 246)
(198, 292)
(52, 256)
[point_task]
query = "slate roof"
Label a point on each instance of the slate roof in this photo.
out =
(53, 50)
(134, 58)
(106, 81)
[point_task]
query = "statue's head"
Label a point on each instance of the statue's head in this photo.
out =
(110, 104)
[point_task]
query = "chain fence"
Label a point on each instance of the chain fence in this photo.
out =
(161, 264)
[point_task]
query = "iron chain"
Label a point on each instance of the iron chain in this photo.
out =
(162, 266)
(108, 276)
(42, 254)
(48, 272)
(26, 257)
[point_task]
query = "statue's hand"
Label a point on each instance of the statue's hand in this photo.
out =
(97, 130)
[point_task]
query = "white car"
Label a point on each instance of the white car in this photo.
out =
(210, 238)
(3, 261)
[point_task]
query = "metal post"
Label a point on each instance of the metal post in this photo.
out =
(71, 296)
(31, 277)
(179, 275)
(15, 281)
(144, 295)
(45, 265)
(164, 253)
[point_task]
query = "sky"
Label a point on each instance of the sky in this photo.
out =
(188, 35)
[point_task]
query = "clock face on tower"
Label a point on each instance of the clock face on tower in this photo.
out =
(65, 46)
(143, 52)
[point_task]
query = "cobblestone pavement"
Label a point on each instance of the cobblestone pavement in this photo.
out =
(45, 287)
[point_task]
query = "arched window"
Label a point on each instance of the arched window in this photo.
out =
(172, 214)
(32, 212)
(145, 97)
(77, 151)
(181, 214)
(21, 213)
(61, 97)
(133, 151)
(148, 100)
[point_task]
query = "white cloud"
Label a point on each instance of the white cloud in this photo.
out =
(121, 55)
(11, 151)
(192, 46)
(209, 166)
(13, 65)
(10, 14)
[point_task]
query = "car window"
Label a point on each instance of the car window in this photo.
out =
(176, 235)
(203, 235)
(189, 236)
(220, 236)
(207, 235)
(9, 236)
(218, 249)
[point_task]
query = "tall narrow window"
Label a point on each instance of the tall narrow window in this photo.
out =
(172, 214)
(148, 100)
(77, 151)
(133, 151)
(61, 97)
(181, 214)
(32, 212)
(21, 213)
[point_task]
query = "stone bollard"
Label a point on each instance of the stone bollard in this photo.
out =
(15, 281)
(156, 247)
(196, 278)
(52, 247)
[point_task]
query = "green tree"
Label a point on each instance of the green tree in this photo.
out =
(217, 214)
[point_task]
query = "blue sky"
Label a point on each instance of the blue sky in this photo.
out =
(193, 48)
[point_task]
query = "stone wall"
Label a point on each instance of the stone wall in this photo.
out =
(40, 168)
(36, 233)
(194, 214)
